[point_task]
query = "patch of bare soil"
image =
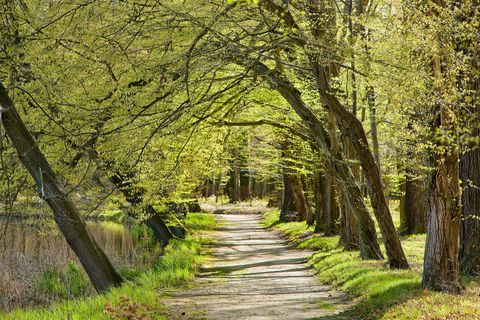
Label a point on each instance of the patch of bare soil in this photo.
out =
(234, 208)
(255, 275)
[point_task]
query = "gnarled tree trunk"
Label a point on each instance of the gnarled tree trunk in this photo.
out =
(441, 269)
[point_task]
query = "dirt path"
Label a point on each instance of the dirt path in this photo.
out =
(255, 275)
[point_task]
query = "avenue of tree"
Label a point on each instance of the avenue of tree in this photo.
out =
(329, 109)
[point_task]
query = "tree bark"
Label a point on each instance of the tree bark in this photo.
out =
(349, 237)
(415, 207)
(369, 247)
(331, 209)
(470, 162)
(470, 226)
(96, 264)
(135, 197)
(351, 127)
(441, 269)
(287, 198)
(234, 185)
(160, 229)
(318, 195)
(372, 110)
(299, 198)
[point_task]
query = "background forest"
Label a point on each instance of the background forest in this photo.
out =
(357, 118)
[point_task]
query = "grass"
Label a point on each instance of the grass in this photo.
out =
(381, 293)
(142, 293)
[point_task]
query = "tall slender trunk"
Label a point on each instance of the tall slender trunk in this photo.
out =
(372, 110)
(332, 212)
(470, 162)
(351, 127)
(96, 264)
(318, 196)
(234, 184)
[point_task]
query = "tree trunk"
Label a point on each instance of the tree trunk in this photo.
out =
(233, 185)
(160, 229)
(470, 163)
(299, 198)
(349, 237)
(218, 189)
(331, 210)
(351, 127)
(318, 195)
(369, 247)
(134, 196)
(470, 224)
(416, 207)
(66, 215)
(328, 212)
(372, 110)
(287, 198)
(441, 267)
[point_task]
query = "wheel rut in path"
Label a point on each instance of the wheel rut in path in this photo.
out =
(255, 275)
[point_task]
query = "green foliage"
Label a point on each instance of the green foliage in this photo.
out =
(67, 283)
(200, 221)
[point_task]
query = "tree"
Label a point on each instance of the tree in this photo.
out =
(441, 268)
(95, 262)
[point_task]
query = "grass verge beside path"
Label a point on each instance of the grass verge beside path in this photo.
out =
(141, 295)
(381, 293)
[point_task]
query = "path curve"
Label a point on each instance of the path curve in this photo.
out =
(255, 275)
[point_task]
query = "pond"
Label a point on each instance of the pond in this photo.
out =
(27, 248)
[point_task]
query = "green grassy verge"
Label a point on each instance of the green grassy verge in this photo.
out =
(142, 293)
(381, 293)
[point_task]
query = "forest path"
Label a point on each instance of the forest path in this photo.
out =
(255, 275)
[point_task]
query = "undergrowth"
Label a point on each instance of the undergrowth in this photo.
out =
(380, 293)
(140, 297)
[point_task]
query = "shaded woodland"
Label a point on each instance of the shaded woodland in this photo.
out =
(327, 110)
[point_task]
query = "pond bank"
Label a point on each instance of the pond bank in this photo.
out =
(143, 288)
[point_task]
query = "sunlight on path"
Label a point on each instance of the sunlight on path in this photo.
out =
(255, 275)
